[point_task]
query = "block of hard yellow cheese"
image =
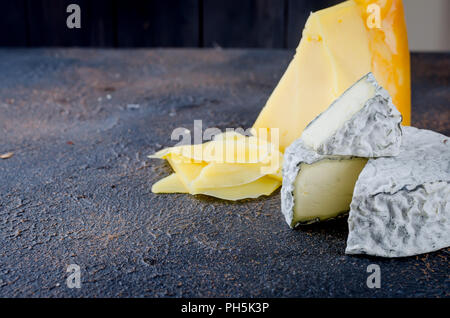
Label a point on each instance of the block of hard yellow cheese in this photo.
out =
(336, 50)
(390, 53)
(262, 186)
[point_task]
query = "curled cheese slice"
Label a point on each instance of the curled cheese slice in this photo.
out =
(231, 167)
(169, 184)
(186, 170)
(228, 147)
(262, 186)
(190, 152)
(220, 175)
(196, 151)
(252, 190)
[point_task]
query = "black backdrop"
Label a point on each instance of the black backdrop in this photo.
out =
(157, 23)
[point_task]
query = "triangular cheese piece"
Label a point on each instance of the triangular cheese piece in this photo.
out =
(333, 53)
(362, 122)
(338, 48)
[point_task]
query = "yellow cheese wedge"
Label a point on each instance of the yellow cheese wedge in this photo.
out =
(257, 188)
(336, 50)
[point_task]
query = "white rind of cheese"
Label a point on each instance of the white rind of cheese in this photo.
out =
(316, 187)
(362, 122)
(401, 205)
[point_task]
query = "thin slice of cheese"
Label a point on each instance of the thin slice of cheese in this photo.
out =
(198, 176)
(336, 50)
(169, 184)
(220, 175)
(257, 188)
(252, 190)
(362, 122)
(187, 170)
(229, 147)
(217, 169)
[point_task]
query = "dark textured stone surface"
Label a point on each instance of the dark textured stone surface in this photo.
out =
(77, 189)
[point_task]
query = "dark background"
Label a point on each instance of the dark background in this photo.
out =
(157, 23)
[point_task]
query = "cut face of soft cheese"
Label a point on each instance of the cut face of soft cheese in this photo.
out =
(231, 166)
(335, 51)
(324, 189)
(361, 122)
(316, 187)
(401, 205)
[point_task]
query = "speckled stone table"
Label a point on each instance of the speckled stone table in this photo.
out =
(77, 189)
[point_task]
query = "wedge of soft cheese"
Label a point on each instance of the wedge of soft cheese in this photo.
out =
(401, 205)
(335, 51)
(362, 122)
(316, 187)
